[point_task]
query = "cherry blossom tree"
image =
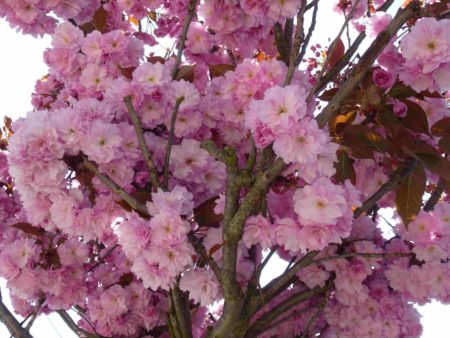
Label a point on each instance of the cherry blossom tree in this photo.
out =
(148, 192)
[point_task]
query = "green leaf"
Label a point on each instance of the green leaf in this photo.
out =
(408, 196)
(344, 167)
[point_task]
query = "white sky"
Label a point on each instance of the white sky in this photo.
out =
(21, 64)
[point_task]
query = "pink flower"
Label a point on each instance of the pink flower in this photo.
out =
(321, 202)
(377, 23)
(149, 76)
(167, 228)
(279, 110)
(302, 144)
(114, 301)
(428, 44)
(383, 79)
(202, 286)
(73, 251)
(287, 233)
(314, 237)
(67, 36)
(178, 201)
(259, 231)
(102, 142)
(400, 109)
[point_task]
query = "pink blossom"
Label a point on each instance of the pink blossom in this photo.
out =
(383, 79)
(259, 231)
(202, 286)
(73, 251)
(178, 200)
(67, 36)
(321, 202)
(102, 142)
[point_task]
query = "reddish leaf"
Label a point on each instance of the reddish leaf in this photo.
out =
(431, 159)
(344, 167)
(328, 95)
(408, 196)
(29, 229)
(127, 72)
(444, 143)
(214, 249)
(220, 69)
(186, 73)
(337, 53)
(126, 279)
(154, 59)
(204, 214)
(416, 118)
(401, 91)
(100, 20)
(441, 127)
(363, 141)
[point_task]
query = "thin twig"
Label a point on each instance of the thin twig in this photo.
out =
(366, 61)
(396, 179)
(295, 49)
(152, 171)
(201, 251)
(13, 325)
(115, 187)
(183, 36)
(173, 120)
(312, 26)
(362, 254)
(333, 46)
(435, 196)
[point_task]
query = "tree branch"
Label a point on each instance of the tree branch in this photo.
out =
(201, 251)
(73, 326)
(115, 187)
(267, 318)
(13, 325)
(183, 36)
(396, 179)
(182, 314)
(170, 141)
(152, 171)
(435, 196)
(311, 28)
(366, 61)
(295, 49)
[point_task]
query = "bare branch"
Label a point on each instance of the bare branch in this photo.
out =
(73, 326)
(13, 325)
(311, 28)
(267, 318)
(201, 251)
(396, 179)
(183, 36)
(362, 254)
(152, 171)
(132, 202)
(366, 61)
(295, 49)
(170, 141)
(182, 314)
(435, 196)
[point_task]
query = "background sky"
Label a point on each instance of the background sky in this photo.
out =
(21, 64)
